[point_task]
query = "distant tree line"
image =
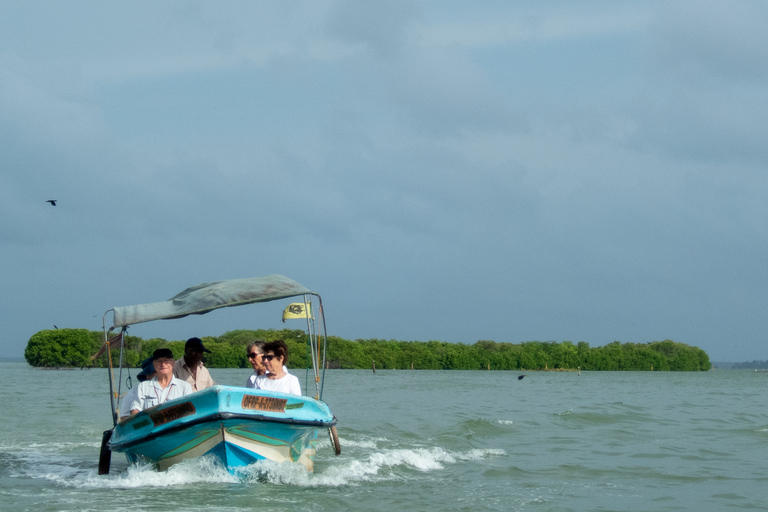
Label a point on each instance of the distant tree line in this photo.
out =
(74, 348)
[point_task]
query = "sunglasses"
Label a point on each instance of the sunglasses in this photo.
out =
(253, 355)
(268, 358)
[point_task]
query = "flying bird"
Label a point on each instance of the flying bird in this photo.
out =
(52, 201)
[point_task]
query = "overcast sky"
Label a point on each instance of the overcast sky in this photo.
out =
(456, 171)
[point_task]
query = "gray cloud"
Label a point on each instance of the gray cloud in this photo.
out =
(594, 173)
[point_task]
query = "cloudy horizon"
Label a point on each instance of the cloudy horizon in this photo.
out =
(435, 170)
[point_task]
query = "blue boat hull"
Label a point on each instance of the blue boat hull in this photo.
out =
(237, 426)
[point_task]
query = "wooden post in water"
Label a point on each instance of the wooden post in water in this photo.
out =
(373, 365)
(411, 365)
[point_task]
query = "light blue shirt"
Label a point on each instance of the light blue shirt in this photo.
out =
(130, 396)
(149, 393)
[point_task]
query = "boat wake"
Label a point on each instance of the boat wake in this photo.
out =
(364, 460)
(379, 465)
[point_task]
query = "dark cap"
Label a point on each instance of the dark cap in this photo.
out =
(162, 352)
(147, 369)
(196, 343)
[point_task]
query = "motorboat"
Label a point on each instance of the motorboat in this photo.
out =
(237, 426)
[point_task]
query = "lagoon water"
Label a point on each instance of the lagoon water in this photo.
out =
(423, 440)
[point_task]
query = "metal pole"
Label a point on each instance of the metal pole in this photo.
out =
(109, 367)
(325, 344)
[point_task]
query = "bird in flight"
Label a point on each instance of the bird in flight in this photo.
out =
(52, 201)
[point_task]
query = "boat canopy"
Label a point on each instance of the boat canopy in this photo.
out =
(206, 297)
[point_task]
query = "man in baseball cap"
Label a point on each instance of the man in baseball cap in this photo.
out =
(160, 388)
(190, 367)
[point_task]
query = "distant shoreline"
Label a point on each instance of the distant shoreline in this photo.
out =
(717, 365)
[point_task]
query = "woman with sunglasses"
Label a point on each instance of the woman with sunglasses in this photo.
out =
(277, 378)
(255, 351)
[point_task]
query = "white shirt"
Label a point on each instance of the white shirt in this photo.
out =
(125, 404)
(286, 384)
(251, 382)
(149, 393)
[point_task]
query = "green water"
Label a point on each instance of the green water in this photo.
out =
(424, 440)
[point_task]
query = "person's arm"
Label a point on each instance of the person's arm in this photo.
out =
(127, 402)
(137, 403)
(186, 388)
(132, 413)
(295, 386)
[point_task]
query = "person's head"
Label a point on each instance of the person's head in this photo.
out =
(147, 370)
(162, 361)
(275, 356)
(254, 351)
(193, 351)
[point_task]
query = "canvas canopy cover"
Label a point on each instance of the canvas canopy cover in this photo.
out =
(206, 297)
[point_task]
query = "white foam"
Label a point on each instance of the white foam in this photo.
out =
(478, 454)
(47, 447)
(191, 471)
(366, 463)
(379, 466)
(363, 443)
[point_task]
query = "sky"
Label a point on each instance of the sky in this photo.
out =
(457, 171)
